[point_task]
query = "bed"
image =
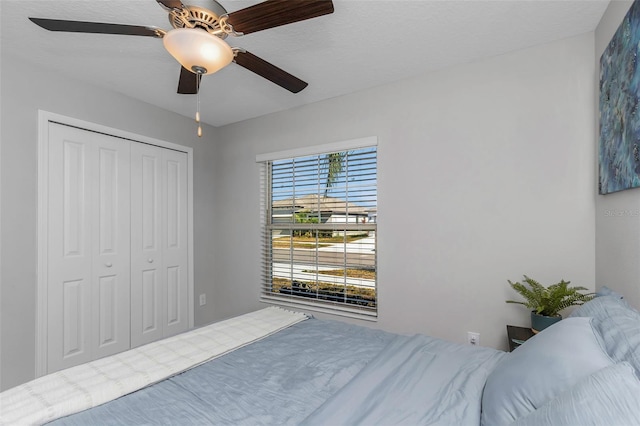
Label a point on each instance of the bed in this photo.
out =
(277, 367)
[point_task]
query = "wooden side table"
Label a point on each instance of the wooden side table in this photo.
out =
(517, 336)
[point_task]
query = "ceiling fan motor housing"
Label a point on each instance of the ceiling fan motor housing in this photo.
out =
(197, 17)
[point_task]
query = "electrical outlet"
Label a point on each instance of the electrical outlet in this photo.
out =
(473, 338)
(203, 299)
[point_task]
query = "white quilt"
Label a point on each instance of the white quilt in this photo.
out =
(88, 385)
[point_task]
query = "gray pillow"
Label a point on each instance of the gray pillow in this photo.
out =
(621, 336)
(601, 307)
(606, 291)
(618, 326)
(610, 396)
(545, 365)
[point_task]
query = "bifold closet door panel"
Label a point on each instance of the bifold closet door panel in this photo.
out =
(147, 278)
(111, 247)
(159, 238)
(88, 275)
(175, 244)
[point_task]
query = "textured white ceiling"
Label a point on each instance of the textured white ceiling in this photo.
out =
(364, 43)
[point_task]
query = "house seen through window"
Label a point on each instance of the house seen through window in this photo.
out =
(319, 224)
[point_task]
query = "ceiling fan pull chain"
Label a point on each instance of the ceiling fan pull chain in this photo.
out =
(198, 76)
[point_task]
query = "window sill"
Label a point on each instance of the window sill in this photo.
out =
(339, 310)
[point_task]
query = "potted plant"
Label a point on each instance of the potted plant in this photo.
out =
(547, 302)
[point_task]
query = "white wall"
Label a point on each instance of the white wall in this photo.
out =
(485, 173)
(25, 89)
(617, 220)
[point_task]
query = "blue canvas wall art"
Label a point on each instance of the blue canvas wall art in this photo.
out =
(619, 148)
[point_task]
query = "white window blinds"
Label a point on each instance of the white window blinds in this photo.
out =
(319, 215)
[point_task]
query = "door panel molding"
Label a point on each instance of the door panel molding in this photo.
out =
(73, 308)
(73, 195)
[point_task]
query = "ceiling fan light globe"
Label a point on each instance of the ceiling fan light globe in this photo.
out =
(196, 49)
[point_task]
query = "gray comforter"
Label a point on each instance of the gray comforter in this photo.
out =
(326, 372)
(416, 380)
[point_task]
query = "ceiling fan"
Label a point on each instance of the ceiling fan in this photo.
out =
(198, 34)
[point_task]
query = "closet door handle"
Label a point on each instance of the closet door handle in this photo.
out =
(150, 260)
(108, 264)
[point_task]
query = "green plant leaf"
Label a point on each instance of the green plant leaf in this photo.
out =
(549, 300)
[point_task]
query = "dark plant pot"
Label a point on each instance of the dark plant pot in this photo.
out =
(540, 322)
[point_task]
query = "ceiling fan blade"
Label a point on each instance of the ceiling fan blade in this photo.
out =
(189, 82)
(273, 13)
(269, 71)
(96, 27)
(171, 4)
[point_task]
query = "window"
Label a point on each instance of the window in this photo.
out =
(318, 219)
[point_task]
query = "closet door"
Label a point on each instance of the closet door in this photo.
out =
(159, 256)
(88, 246)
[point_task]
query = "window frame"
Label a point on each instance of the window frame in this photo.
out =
(266, 228)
